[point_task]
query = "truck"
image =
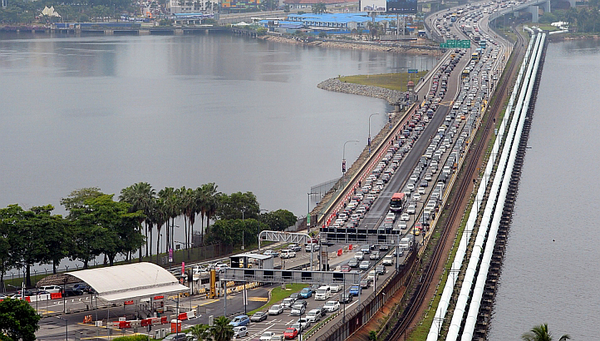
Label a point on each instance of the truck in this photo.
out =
(406, 243)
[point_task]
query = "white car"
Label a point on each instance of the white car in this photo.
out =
(266, 336)
(405, 217)
(240, 331)
(276, 309)
(331, 306)
(287, 254)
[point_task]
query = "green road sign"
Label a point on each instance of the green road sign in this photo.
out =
(413, 71)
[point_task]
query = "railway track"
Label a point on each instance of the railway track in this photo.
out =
(439, 255)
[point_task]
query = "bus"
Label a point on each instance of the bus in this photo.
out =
(475, 56)
(465, 73)
(397, 202)
(483, 43)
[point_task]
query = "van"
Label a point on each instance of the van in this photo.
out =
(52, 289)
(323, 293)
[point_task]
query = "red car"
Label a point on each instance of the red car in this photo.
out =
(290, 333)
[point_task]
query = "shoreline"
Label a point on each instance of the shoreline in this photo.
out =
(336, 85)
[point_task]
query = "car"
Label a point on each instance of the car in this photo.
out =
(365, 283)
(345, 298)
(72, 292)
(298, 309)
(295, 247)
(240, 320)
(176, 337)
(345, 268)
(286, 254)
(364, 265)
(53, 289)
(306, 293)
(372, 275)
(383, 247)
(314, 315)
(353, 263)
(359, 255)
(220, 267)
(240, 331)
(405, 217)
(290, 333)
(388, 260)
(365, 249)
(295, 296)
(271, 253)
(304, 323)
(288, 302)
(374, 255)
(267, 336)
(380, 269)
(258, 316)
(297, 326)
(275, 309)
(332, 306)
(355, 290)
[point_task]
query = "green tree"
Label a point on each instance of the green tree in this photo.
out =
(202, 332)
(142, 197)
(77, 198)
(207, 201)
(222, 330)
(278, 220)
(238, 206)
(172, 208)
(56, 236)
(541, 333)
(18, 320)
(9, 248)
(319, 8)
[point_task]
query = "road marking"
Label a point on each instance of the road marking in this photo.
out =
(258, 299)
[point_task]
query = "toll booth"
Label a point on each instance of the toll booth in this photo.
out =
(251, 260)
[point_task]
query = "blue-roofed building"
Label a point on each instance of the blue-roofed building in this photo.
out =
(338, 21)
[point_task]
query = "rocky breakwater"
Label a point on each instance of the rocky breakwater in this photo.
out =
(334, 84)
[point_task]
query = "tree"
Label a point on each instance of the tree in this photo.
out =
(56, 236)
(238, 206)
(207, 203)
(77, 198)
(202, 332)
(142, 197)
(541, 333)
(278, 220)
(172, 209)
(319, 8)
(222, 330)
(9, 255)
(106, 226)
(18, 320)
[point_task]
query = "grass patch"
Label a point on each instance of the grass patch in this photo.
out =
(278, 294)
(392, 81)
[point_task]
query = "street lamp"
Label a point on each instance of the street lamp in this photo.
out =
(344, 157)
(369, 140)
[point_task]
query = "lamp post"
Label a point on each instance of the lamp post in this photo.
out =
(369, 140)
(344, 157)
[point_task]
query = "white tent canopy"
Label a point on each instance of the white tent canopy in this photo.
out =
(50, 12)
(131, 281)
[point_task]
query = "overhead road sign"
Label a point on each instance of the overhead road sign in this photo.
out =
(402, 6)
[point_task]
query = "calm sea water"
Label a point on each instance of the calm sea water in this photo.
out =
(551, 271)
(179, 111)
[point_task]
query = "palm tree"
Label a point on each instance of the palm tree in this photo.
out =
(541, 333)
(159, 217)
(222, 330)
(142, 197)
(188, 208)
(207, 204)
(202, 332)
(172, 209)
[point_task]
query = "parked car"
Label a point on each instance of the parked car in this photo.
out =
(290, 333)
(332, 306)
(240, 331)
(258, 316)
(176, 337)
(241, 320)
(72, 292)
(275, 309)
(53, 289)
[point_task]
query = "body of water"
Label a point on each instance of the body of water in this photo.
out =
(551, 270)
(174, 111)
